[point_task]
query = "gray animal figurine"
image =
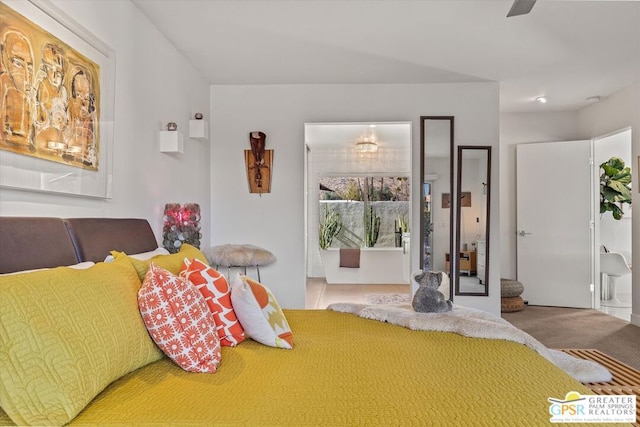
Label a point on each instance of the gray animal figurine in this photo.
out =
(428, 299)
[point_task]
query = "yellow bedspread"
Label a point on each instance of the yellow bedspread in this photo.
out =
(343, 370)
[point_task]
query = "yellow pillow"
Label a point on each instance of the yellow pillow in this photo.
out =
(66, 335)
(171, 263)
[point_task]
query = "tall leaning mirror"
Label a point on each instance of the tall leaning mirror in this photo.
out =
(472, 224)
(436, 172)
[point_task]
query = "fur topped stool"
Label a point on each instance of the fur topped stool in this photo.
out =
(239, 256)
(510, 291)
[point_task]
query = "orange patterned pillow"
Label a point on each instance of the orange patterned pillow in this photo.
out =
(259, 313)
(216, 292)
(179, 320)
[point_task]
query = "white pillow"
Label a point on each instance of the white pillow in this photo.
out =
(259, 313)
(143, 256)
(79, 266)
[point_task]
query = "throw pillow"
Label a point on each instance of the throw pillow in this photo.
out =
(66, 335)
(143, 256)
(216, 292)
(259, 313)
(172, 263)
(179, 321)
(78, 266)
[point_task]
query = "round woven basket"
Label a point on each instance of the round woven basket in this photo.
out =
(511, 304)
(510, 288)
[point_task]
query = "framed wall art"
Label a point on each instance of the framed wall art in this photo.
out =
(446, 200)
(465, 199)
(56, 102)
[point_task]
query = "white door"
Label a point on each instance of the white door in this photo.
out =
(554, 217)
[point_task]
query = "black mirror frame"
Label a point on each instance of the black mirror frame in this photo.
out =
(461, 148)
(423, 120)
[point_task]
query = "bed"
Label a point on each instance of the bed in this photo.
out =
(342, 370)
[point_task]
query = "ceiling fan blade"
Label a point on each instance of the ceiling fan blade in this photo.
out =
(521, 7)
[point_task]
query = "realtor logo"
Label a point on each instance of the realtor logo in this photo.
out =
(579, 408)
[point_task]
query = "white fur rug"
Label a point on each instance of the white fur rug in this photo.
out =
(477, 324)
(387, 298)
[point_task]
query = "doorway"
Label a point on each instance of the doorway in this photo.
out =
(614, 236)
(554, 186)
(331, 153)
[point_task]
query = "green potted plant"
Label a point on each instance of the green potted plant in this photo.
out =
(329, 227)
(615, 187)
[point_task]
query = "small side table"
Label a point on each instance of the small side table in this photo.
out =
(239, 256)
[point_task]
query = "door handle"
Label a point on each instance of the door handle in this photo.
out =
(522, 233)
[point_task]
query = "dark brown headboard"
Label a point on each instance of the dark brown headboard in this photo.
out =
(37, 242)
(27, 243)
(94, 238)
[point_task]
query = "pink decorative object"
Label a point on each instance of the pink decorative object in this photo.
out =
(181, 224)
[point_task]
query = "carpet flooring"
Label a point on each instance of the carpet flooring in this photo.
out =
(558, 327)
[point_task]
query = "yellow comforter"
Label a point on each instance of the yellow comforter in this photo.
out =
(343, 370)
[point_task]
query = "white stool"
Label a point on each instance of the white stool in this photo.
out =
(239, 256)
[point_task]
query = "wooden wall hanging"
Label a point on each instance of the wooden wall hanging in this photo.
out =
(259, 164)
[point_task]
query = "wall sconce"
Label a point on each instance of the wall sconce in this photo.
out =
(198, 128)
(171, 140)
(181, 224)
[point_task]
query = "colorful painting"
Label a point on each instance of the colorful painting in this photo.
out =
(49, 95)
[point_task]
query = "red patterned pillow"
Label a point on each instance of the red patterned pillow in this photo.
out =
(216, 292)
(179, 321)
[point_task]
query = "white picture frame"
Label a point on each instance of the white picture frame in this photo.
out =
(26, 172)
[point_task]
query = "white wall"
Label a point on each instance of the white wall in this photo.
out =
(521, 128)
(617, 112)
(276, 220)
(153, 85)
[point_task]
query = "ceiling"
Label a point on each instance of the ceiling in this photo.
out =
(566, 50)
